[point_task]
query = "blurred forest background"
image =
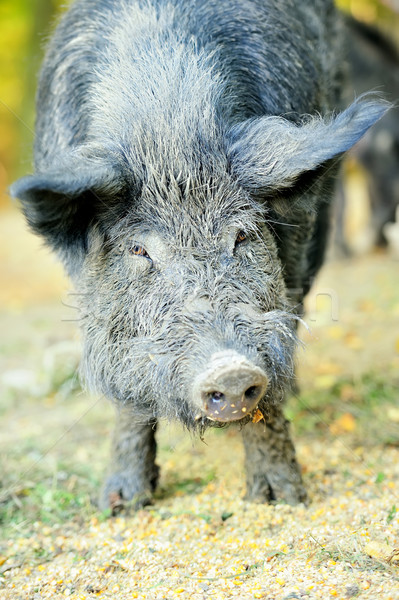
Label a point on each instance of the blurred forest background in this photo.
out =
(25, 27)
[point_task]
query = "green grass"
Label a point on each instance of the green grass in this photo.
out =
(44, 501)
(367, 399)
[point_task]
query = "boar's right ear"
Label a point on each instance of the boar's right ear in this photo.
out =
(61, 203)
(271, 153)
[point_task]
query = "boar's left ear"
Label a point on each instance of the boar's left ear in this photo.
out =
(61, 203)
(270, 153)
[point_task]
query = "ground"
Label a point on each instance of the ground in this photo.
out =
(200, 539)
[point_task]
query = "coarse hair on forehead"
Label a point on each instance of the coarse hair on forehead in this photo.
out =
(186, 210)
(169, 93)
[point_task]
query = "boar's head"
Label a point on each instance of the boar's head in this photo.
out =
(183, 301)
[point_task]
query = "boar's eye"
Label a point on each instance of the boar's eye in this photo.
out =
(139, 251)
(241, 237)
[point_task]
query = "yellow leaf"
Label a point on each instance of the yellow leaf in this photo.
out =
(393, 414)
(344, 424)
(367, 306)
(381, 551)
(336, 332)
(328, 368)
(258, 416)
(324, 382)
(353, 341)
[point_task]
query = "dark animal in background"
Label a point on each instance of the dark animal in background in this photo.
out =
(185, 155)
(373, 63)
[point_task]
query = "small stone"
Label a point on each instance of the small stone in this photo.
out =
(351, 590)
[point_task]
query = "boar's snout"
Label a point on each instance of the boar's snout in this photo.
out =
(229, 388)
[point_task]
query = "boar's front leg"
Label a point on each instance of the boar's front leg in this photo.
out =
(272, 471)
(132, 474)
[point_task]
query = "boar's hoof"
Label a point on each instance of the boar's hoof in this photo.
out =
(121, 493)
(286, 492)
(230, 388)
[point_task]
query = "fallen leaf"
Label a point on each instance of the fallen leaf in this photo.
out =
(346, 423)
(381, 551)
(336, 332)
(258, 416)
(393, 414)
(324, 382)
(394, 556)
(348, 393)
(328, 368)
(367, 306)
(353, 341)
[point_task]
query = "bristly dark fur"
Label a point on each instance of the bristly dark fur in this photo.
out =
(170, 126)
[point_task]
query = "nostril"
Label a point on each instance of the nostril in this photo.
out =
(216, 397)
(213, 400)
(253, 392)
